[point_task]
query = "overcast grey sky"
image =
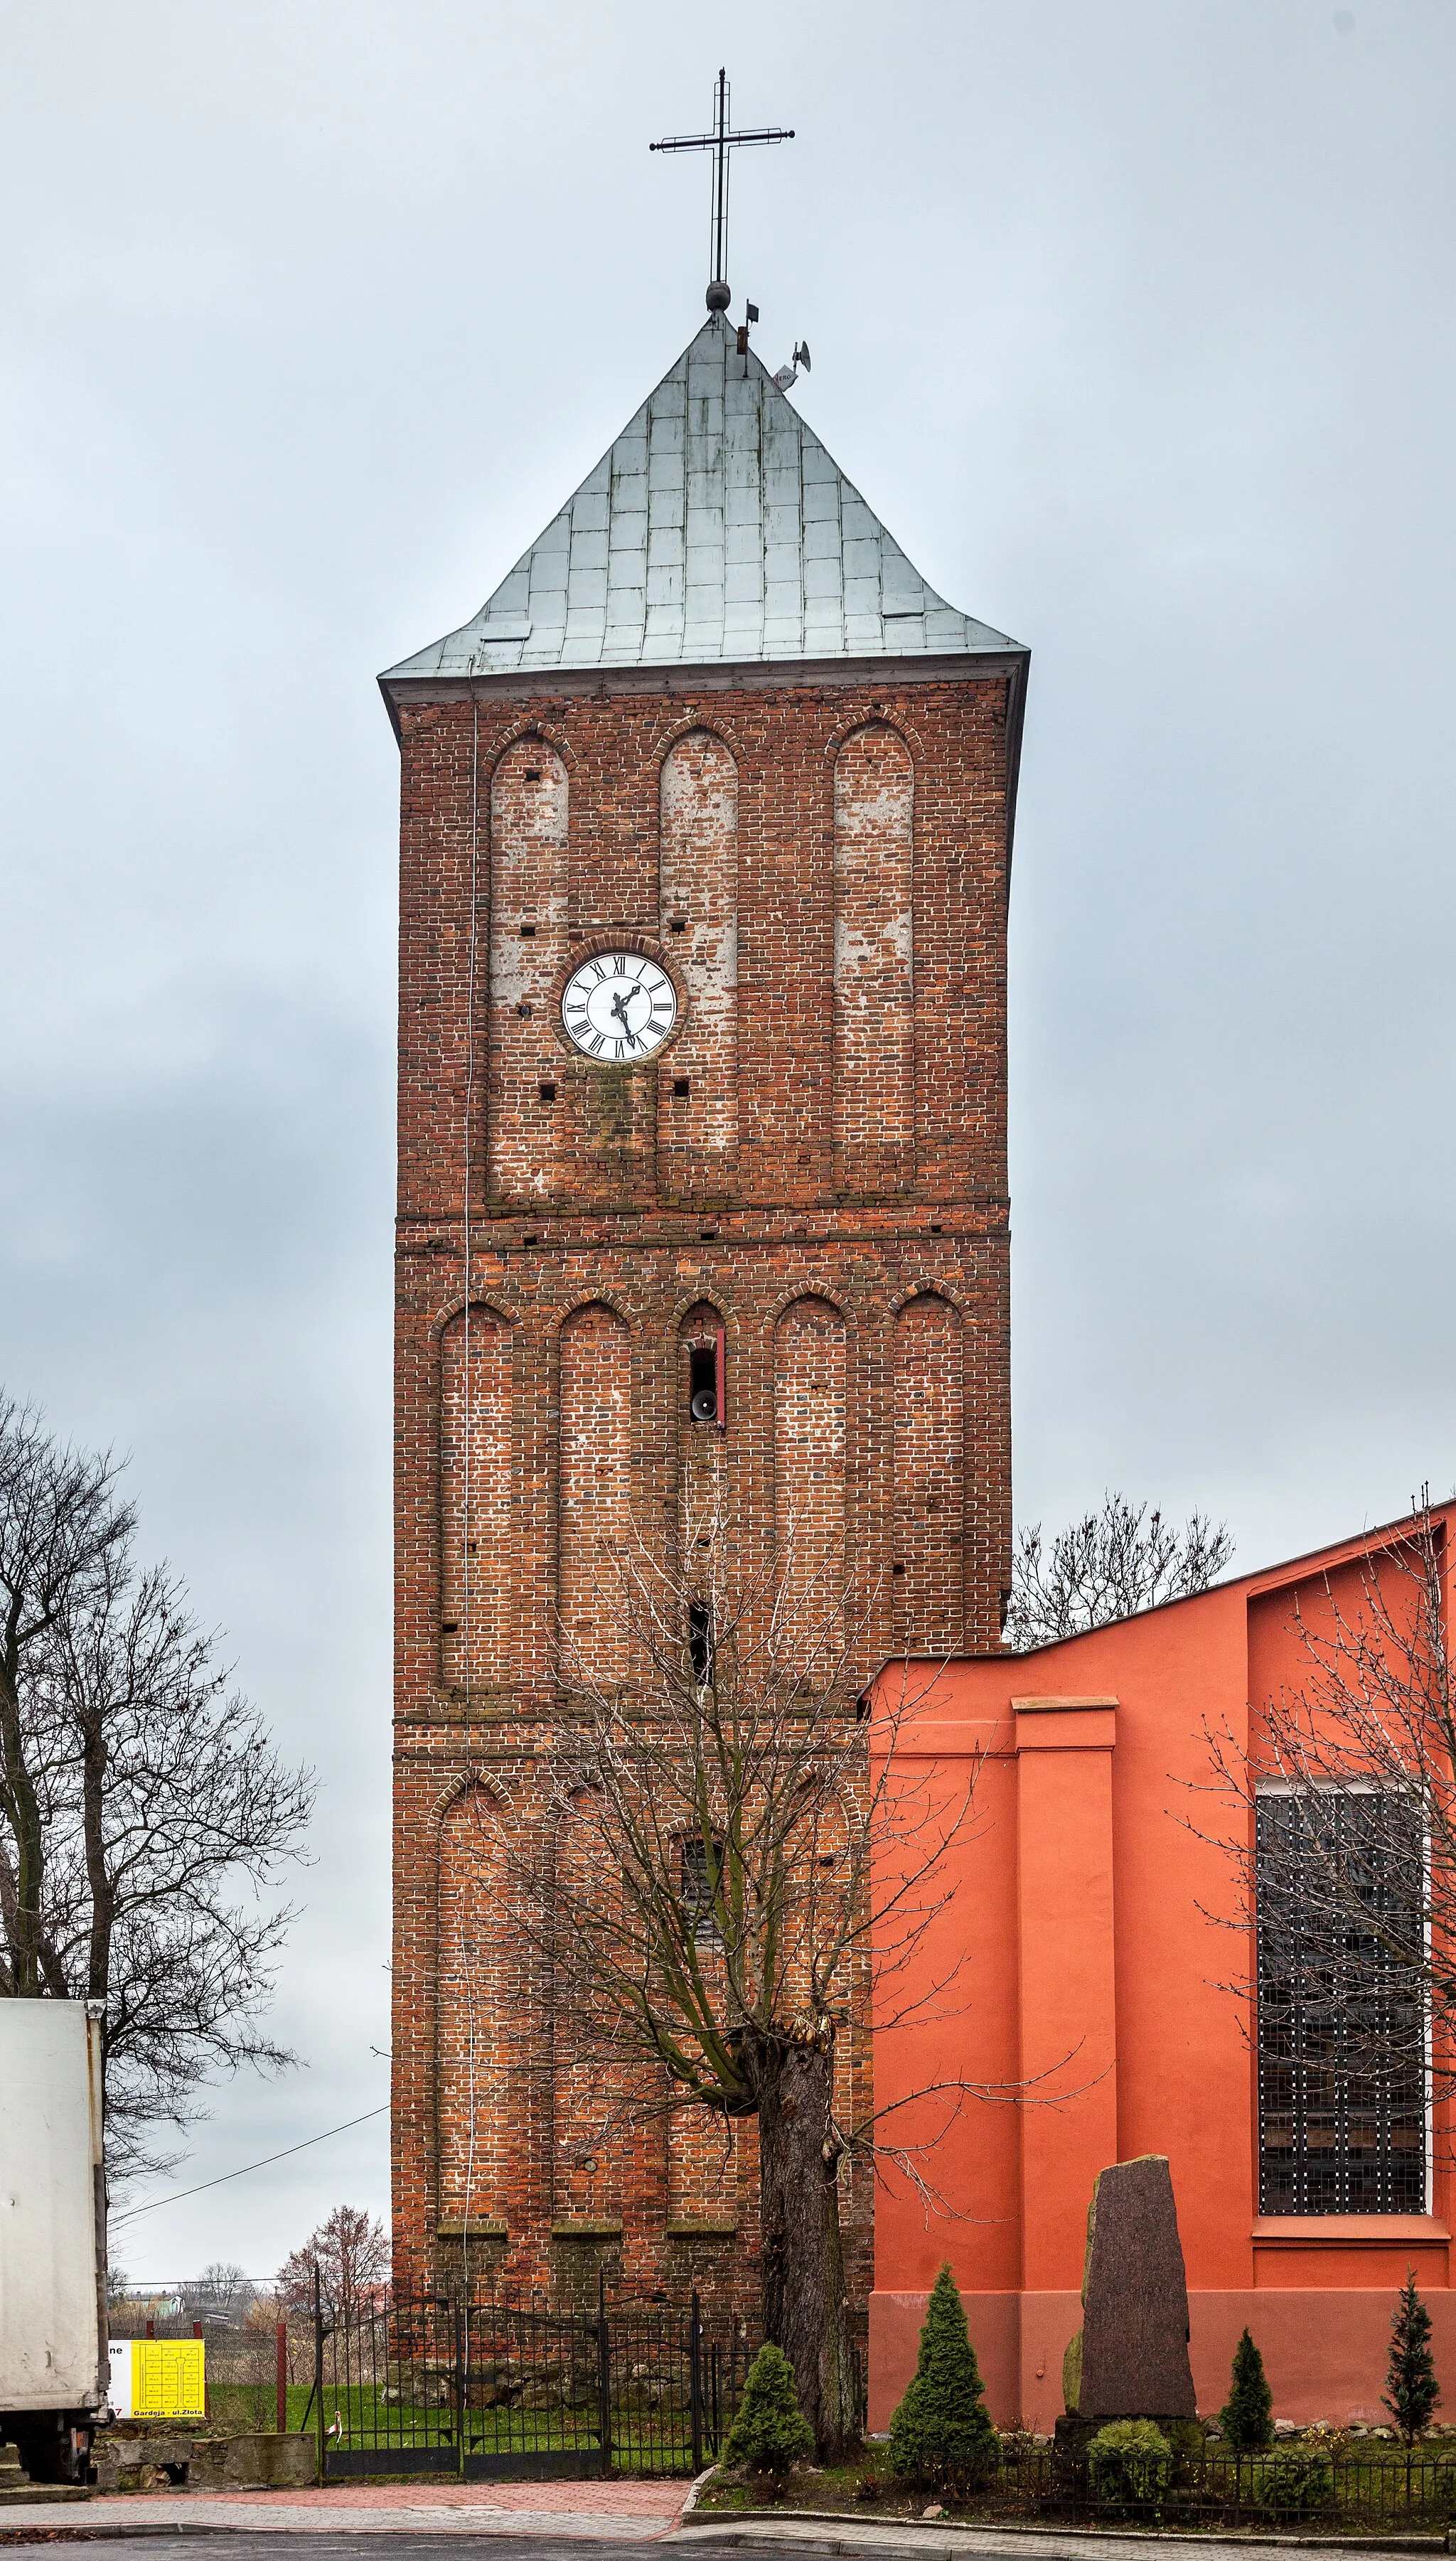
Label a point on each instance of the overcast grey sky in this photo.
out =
(1131, 318)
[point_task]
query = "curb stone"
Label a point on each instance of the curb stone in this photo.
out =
(812, 2529)
(104, 2533)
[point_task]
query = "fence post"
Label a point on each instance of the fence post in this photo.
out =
(603, 2378)
(461, 2317)
(695, 2377)
(318, 2368)
(280, 2377)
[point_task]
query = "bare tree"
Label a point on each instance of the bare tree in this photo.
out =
(222, 2293)
(61, 1523)
(1347, 1863)
(727, 1871)
(351, 2251)
(144, 1811)
(1107, 1565)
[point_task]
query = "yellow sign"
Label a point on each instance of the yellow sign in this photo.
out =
(168, 2379)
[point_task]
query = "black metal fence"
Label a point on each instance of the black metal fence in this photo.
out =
(1289, 2486)
(489, 2386)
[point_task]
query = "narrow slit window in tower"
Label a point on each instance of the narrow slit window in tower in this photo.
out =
(706, 1398)
(699, 1640)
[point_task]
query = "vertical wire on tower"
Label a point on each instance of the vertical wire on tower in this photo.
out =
(468, 1881)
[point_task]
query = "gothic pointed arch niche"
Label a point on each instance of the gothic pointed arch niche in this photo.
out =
(480, 2074)
(810, 1450)
(594, 1494)
(698, 890)
(927, 1572)
(476, 1507)
(528, 813)
(603, 2155)
(873, 960)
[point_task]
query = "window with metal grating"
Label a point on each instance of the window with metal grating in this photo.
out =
(1343, 2068)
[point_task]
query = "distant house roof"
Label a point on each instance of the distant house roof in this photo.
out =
(717, 528)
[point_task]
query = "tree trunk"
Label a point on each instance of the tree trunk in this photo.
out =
(803, 2256)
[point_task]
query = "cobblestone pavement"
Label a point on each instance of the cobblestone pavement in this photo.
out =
(598, 2512)
(331, 2542)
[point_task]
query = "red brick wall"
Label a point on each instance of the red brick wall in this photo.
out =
(832, 1186)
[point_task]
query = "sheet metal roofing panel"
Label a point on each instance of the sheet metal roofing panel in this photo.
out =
(716, 528)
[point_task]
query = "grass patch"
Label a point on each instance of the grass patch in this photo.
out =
(866, 2488)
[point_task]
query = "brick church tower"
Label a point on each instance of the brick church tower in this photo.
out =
(706, 834)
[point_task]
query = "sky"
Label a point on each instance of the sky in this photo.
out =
(1132, 322)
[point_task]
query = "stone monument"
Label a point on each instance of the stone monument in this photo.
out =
(1129, 2359)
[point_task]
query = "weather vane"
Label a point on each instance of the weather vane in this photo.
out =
(720, 142)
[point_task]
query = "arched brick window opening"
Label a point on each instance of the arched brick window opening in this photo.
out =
(810, 1441)
(702, 1382)
(593, 1497)
(479, 1992)
(928, 1569)
(873, 960)
(476, 1508)
(528, 947)
(704, 1391)
(698, 1095)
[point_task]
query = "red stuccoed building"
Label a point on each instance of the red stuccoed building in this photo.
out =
(1135, 1948)
(706, 827)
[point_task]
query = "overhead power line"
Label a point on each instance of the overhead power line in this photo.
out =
(174, 2195)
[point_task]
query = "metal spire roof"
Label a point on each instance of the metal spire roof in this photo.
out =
(716, 529)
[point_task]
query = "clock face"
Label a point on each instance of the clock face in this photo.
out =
(618, 1006)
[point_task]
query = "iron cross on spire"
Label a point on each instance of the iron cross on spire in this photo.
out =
(720, 142)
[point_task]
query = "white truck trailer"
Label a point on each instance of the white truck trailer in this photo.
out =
(53, 2277)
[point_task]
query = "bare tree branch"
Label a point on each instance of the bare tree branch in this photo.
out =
(727, 1877)
(1346, 1865)
(1106, 1566)
(144, 1810)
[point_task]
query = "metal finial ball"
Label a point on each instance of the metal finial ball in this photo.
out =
(718, 296)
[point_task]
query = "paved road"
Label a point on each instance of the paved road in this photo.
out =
(546, 2538)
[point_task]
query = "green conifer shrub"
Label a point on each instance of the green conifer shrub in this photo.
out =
(769, 2430)
(1293, 2479)
(1248, 2416)
(1131, 2462)
(1411, 2390)
(941, 2435)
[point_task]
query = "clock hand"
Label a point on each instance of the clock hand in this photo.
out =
(619, 1008)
